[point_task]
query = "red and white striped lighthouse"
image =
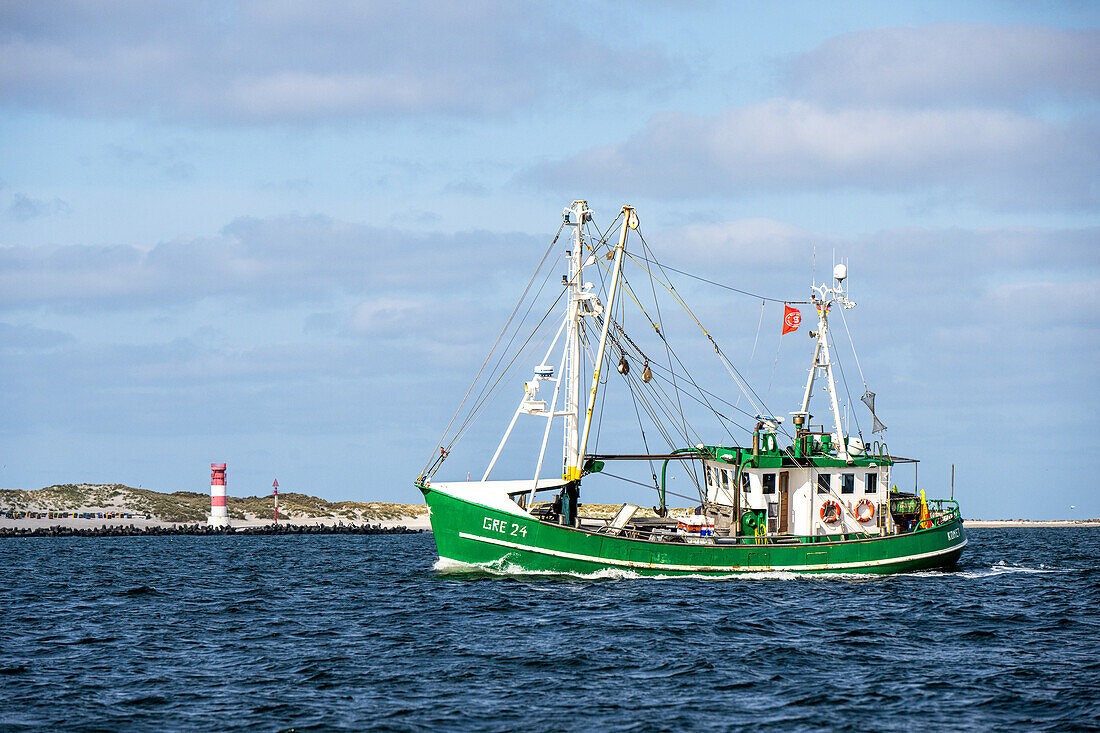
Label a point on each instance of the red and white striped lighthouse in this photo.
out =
(219, 517)
(275, 490)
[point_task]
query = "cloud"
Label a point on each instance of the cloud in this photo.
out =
(25, 208)
(1047, 304)
(976, 341)
(166, 160)
(973, 339)
(953, 64)
(388, 316)
(286, 259)
(993, 157)
(275, 61)
(999, 116)
(992, 267)
(752, 241)
(466, 187)
(19, 338)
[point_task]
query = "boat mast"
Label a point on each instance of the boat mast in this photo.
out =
(823, 298)
(630, 221)
(575, 216)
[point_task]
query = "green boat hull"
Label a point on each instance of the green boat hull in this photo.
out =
(470, 533)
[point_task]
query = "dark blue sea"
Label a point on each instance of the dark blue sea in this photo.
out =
(361, 632)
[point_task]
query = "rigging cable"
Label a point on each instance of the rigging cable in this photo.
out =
(668, 349)
(604, 376)
(687, 430)
(639, 483)
(662, 405)
(851, 406)
(661, 401)
(752, 356)
(854, 352)
(474, 411)
(488, 356)
(717, 399)
(660, 332)
(738, 379)
(487, 389)
(523, 320)
(771, 379)
(641, 429)
(721, 285)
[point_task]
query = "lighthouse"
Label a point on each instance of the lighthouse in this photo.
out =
(218, 515)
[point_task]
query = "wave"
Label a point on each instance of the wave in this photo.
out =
(1003, 568)
(998, 568)
(505, 568)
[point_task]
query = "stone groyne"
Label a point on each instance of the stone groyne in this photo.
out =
(201, 530)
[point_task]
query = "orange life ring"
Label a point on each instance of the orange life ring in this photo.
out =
(861, 514)
(830, 512)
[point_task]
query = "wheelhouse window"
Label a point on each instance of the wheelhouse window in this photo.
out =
(710, 477)
(725, 479)
(744, 481)
(870, 484)
(824, 483)
(847, 483)
(767, 481)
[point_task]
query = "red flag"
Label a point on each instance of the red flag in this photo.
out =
(792, 319)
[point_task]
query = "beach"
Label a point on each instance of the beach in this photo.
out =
(995, 523)
(414, 520)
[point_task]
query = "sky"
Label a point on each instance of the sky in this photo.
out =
(283, 235)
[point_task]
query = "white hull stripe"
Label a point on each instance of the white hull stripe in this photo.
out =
(710, 568)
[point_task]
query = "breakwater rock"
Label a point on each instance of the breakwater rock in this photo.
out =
(200, 529)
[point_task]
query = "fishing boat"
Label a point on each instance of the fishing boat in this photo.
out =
(804, 499)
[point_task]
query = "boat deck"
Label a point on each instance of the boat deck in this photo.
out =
(664, 530)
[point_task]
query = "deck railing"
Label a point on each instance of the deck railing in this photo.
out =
(943, 511)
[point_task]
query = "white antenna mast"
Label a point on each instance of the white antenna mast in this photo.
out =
(823, 298)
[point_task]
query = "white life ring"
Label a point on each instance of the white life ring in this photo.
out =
(865, 511)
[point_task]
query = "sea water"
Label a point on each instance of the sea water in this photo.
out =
(356, 632)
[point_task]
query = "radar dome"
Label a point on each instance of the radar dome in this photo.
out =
(840, 272)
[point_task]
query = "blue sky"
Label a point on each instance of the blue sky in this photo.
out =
(282, 235)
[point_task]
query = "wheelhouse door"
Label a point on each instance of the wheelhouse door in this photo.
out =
(784, 502)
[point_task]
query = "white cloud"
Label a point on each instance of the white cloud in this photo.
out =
(951, 64)
(1045, 303)
(971, 336)
(1000, 116)
(944, 262)
(299, 258)
(20, 338)
(24, 208)
(994, 157)
(273, 61)
(388, 316)
(749, 240)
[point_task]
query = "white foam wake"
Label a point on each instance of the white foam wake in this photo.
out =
(503, 567)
